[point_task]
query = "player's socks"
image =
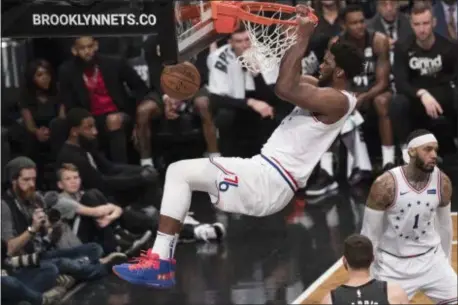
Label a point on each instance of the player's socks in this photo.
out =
(146, 162)
(387, 154)
(164, 245)
(361, 156)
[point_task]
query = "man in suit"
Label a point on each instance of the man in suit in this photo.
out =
(446, 13)
(391, 22)
(98, 83)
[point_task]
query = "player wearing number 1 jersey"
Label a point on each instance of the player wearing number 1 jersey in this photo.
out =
(408, 219)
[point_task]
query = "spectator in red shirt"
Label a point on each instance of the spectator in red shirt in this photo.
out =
(105, 86)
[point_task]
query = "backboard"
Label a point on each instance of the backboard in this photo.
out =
(194, 27)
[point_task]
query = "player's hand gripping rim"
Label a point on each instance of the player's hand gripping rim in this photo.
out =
(306, 18)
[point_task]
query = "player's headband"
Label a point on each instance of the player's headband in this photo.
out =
(419, 141)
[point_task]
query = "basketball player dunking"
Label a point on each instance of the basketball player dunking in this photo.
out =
(266, 183)
(361, 288)
(408, 219)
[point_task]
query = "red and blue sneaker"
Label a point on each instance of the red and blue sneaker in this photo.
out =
(148, 270)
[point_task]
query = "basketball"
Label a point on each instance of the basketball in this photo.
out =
(180, 81)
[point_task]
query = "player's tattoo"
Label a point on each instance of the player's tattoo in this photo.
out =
(446, 190)
(382, 192)
(416, 179)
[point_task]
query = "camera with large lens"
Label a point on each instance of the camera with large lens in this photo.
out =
(20, 261)
(53, 215)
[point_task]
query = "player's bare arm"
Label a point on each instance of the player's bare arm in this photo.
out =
(289, 86)
(381, 197)
(382, 193)
(327, 299)
(396, 295)
(308, 79)
(446, 190)
(382, 69)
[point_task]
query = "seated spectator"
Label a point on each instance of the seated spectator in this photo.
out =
(446, 13)
(91, 216)
(372, 87)
(425, 74)
(200, 102)
(394, 24)
(127, 184)
(131, 186)
(327, 12)
(29, 227)
(39, 109)
(97, 83)
(34, 283)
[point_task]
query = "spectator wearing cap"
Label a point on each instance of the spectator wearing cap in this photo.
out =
(27, 227)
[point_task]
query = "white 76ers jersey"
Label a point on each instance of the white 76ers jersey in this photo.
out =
(409, 227)
(301, 140)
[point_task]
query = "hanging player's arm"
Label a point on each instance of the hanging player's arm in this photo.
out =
(444, 223)
(291, 87)
(381, 197)
(382, 69)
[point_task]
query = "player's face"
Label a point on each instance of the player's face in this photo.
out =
(426, 157)
(355, 25)
(240, 42)
(85, 48)
(327, 70)
(388, 9)
(423, 25)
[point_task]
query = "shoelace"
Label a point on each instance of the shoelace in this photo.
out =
(145, 261)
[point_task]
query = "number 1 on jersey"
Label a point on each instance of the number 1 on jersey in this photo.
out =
(415, 225)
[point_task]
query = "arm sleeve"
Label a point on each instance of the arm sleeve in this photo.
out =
(373, 225)
(401, 73)
(444, 227)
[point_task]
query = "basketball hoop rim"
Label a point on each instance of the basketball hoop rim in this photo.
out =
(226, 15)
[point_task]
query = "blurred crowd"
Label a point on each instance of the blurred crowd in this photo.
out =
(87, 137)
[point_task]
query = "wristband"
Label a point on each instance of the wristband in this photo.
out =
(31, 231)
(421, 92)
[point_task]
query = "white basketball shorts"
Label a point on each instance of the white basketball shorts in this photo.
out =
(430, 273)
(259, 186)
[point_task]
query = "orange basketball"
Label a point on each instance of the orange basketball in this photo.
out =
(180, 81)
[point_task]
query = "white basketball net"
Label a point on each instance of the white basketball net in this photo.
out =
(268, 44)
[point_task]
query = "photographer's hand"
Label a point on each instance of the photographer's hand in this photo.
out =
(38, 219)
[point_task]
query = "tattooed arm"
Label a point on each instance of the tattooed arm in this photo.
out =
(381, 197)
(444, 224)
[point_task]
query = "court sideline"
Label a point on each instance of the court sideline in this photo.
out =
(336, 275)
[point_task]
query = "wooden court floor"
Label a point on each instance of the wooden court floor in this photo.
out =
(336, 275)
